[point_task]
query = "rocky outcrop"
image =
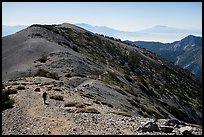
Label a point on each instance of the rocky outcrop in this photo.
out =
(169, 126)
(149, 127)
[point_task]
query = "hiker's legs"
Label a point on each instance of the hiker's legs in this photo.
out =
(44, 100)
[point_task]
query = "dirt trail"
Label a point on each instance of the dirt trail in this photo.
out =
(41, 118)
(91, 81)
(39, 111)
(31, 116)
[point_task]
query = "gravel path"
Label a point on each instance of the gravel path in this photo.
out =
(30, 116)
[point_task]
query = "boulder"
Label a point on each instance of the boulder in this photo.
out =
(187, 130)
(149, 127)
(166, 129)
(172, 122)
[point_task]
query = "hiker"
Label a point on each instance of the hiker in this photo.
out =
(44, 97)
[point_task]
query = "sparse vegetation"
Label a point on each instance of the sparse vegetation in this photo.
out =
(133, 74)
(133, 60)
(164, 114)
(53, 75)
(15, 83)
(88, 110)
(80, 75)
(75, 48)
(57, 97)
(43, 59)
(179, 114)
(21, 87)
(37, 90)
(128, 78)
(95, 71)
(110, 78)
(9, 91)
(80, 105)
(104, 102)
(44, 73)
(70, 104)
(7, 102)
(57, 89)
(135, 104)
(133, 92)
(127, 114)
(68, 75)
(3, 86)
(87, 95)
(121, 91)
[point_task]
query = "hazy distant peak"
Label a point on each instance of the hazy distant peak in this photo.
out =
(160, 26)
(7, 29)
(192, 36)
(96, 28)
(14, 26)
(84, 24)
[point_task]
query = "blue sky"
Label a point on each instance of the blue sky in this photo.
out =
(126, 16)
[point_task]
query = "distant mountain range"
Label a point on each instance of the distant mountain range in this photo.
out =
(186, 53)
(157, 33)
(7, 30)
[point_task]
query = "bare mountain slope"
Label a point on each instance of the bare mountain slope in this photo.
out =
(125, 79)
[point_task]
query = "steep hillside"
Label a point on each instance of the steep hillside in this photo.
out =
(187, 53)
(126, 80)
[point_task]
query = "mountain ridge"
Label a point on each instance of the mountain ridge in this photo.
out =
(186, 50)
(106, 72)
(156, 33)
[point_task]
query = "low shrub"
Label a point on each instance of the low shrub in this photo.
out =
(3, 86)
(88, 110)
(105, 103)
(56, 89)
(21, 88)
(43, 59)
(42, 73)
(131, 91)
(132, 102)
(53, 75)
(127, 114)
(70, 104)
(121, 92)
(87, 95)
(15, 83)
(45, 73)
(37, 90)
(80, 105)
(68, 75)
(9, 91)
(7, 102)
(57, 97)
(128, 78)
(75, 48)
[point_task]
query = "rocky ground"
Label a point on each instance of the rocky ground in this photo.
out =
(76, 114)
